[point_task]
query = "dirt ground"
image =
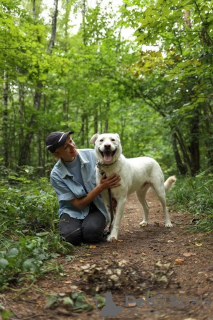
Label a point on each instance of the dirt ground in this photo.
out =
(152, 272)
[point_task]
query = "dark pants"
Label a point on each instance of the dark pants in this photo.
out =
(88, 230)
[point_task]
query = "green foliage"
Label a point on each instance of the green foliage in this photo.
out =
(4, 313)
(28, 206)
(29, 237)
(194, 196)
(30, 256)
(73, 301)
(85, 84)
(175, 78)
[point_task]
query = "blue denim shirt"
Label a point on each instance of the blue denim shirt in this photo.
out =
(67, 188)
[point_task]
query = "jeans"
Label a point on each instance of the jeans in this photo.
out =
(87, 230)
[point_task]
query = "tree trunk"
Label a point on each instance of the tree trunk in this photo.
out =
(183, 148)
(5, 121)
(182, 168)
(34, 9)
(25, 148)
(95, 121)
(21, 117)
(82, 129)
(87, 131)
(209, 136)
(106, 126)
(194, 147)
(83, 21)
(54, 25)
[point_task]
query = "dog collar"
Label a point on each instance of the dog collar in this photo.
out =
(100, 165)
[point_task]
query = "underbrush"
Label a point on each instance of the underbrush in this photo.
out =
(29, 239)
(195, 196)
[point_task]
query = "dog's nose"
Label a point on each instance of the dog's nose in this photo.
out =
(107, 146)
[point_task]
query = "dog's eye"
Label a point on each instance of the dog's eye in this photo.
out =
(112, 139)
(101, 140)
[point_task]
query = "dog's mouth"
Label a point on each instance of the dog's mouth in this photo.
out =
(107, 155)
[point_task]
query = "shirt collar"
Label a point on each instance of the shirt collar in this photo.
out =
(82, 158)
(64, 170)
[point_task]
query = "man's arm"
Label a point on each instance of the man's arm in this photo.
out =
(105, 183)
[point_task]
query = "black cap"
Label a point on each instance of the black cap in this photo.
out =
(56, 139)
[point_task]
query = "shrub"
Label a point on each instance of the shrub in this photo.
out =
(29, 237)
(195, 196)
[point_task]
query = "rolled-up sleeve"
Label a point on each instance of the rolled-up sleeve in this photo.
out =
(62, 191)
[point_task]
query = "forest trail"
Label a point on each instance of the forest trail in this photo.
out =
(152, 273)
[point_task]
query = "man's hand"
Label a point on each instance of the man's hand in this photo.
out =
(105, 183)
(110, 182)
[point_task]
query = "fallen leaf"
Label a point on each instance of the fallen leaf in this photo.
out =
(189, 254)
(143, 254)
(132, 304)
(179, 261)
(198, 244)
(92, 246)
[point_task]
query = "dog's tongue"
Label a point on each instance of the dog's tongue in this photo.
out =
(107, 156)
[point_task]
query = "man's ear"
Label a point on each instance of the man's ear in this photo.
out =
(56, 154)
(94, 138)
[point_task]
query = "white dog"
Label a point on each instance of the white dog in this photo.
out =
(137, 174)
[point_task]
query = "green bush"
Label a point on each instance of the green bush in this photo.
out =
(30, 256)
(30, 206)
(195, 196)
(29, 237)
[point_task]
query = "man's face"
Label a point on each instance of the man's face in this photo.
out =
(68, 151)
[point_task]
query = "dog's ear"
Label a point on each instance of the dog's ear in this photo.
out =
(94, 138)
(117, 136)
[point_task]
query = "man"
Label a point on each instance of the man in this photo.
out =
(83, 216)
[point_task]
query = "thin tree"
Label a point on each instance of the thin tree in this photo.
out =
(25, 148)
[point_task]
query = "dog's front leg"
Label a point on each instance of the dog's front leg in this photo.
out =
(117, 220)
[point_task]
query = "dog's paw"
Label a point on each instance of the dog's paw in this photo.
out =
(168, 224)
(143, 223)
(112, 238)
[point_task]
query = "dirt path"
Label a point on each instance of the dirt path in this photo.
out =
(151, 273)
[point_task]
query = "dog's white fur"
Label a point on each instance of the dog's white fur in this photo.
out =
(137, 175)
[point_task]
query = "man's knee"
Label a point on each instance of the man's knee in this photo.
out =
(70, 230)
(73, 237)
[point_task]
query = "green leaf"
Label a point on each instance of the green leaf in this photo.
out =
(3, 263)
(68, 302)
(29, 265)
(52, 301)
(12, 253)
(6, 314)
(82, 303)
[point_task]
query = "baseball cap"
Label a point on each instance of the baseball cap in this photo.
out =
(56, 139)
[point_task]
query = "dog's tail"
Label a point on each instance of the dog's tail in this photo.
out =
(169, 183)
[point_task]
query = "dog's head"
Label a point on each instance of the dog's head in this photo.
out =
(107, 147)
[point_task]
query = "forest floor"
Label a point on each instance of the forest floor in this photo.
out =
(151, 272)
